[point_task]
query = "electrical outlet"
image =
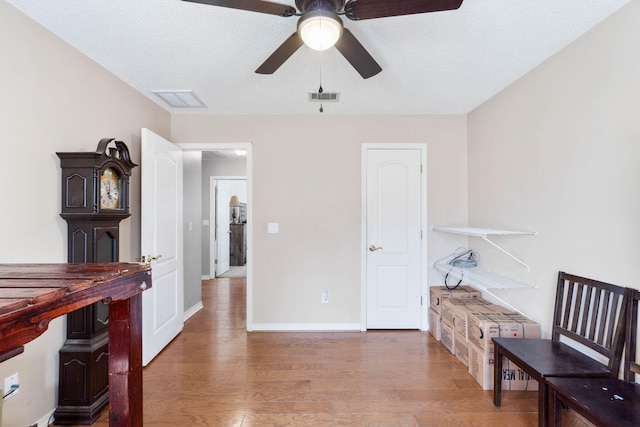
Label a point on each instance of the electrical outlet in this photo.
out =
(11, 386)
(325, 297)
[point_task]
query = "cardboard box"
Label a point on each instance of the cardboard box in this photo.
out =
(449, 305)
(447, 337)
(462, 348)
(482, 327)
(460, 313)
(447, 308)
(481, 368)
(437, 295)
(434, 324)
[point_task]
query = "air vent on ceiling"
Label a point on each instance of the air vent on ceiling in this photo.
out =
(324, 96)
(180, 98)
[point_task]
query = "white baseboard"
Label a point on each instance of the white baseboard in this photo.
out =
(303, 327)
(205, 277)
(193, 310)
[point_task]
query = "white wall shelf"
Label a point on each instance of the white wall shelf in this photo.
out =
(484, 234)
(479, 278)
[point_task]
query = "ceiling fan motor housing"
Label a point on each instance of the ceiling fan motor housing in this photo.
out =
(309, 5)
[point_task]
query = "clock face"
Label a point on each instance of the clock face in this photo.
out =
(109, 189)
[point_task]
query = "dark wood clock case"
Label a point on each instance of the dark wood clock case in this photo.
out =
(93, 236)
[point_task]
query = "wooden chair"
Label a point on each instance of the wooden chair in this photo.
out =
(604, 401)
(587, 311)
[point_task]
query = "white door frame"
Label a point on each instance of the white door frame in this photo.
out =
(213, 255)
(249, 149)
(424, 287)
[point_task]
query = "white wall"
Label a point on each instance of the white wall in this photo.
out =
(314, 161)
(557, 153)
(193, 229)
(54, 99)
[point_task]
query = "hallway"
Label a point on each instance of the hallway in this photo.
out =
(216, 374)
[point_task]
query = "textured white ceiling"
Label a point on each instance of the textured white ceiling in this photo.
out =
(436, 63)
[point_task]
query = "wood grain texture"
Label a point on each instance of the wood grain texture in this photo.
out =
(59, 289)
(125, 360)
(216, 374)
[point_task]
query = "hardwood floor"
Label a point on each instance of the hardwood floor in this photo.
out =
(216, 374)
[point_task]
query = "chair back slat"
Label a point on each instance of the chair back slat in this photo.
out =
(567, 299)
(631, 364)
(606, 301)
(617, 305)
(594, 316)
(577, 308)
(591, 313)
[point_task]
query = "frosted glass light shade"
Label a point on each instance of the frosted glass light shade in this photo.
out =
(320, 30)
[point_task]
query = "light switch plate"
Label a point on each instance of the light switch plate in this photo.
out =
(272, 227)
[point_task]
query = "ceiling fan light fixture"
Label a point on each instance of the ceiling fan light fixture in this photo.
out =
(320, 29)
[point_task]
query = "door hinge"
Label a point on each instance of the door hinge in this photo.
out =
(420, 300)
(420, 167)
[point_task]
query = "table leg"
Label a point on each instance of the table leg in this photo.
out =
(543, 404)
(553, 408)
(497, 375)
(125, 362)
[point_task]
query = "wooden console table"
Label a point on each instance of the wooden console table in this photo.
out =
(31, 295)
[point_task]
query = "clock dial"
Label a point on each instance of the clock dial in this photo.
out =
(109, 190)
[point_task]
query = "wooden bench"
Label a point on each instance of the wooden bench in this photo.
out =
(604, 401)
(588, 312)
(31, 295)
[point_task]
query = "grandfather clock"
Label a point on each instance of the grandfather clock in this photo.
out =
(95, 198)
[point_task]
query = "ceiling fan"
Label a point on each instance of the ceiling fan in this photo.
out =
(320, 18)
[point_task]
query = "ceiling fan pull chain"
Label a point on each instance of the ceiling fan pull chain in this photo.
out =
(320, 90)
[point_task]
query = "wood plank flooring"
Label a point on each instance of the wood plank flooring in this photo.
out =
(216, 374)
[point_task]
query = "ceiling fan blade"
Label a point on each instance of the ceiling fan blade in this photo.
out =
(367, 9)
(280, 55)
(357, 55)
(252, 6)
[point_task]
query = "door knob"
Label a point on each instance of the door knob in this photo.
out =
(148, 258)
(374, 248)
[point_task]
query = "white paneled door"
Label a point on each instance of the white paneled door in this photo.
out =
(161, 242)
(222, 198)
(393, 238)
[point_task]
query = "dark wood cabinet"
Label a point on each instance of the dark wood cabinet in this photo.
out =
(95, 189)
(238, 245)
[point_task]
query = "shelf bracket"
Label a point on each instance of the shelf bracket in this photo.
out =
(524, 264)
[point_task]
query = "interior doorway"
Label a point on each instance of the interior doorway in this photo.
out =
(219, 159)
(228, 242)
